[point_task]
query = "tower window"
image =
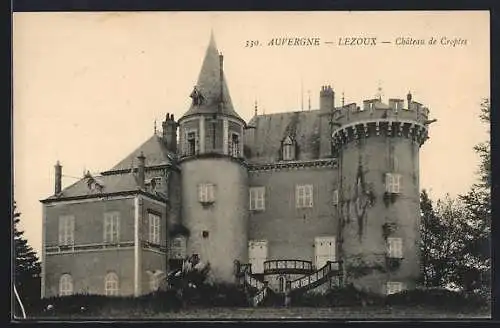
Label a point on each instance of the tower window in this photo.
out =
(111, 284)
(395, 247)
(65, 285)
(304, 196)
(154, 228)
(394, 287)
(393, 183)
(234, 145)
(206, 193)
(335, 197)
(288, 149)
(191, 143)
(111, 227)
(66, 230)
(257, 198)
(204, 234)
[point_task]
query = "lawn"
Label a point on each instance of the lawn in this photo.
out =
(221, 313)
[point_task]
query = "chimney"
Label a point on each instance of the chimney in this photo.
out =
(408, 97)
(58, 184)
(141, 170)
(170, 133)
(326, 98)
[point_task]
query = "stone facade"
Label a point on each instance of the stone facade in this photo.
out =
(325, 185)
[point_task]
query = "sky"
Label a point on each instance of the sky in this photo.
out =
(88, 87)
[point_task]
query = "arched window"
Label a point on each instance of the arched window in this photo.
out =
(288, 149)
(111, 284)
(65, 285)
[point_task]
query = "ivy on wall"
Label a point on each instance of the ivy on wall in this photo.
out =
(364, 197)
(358, 267)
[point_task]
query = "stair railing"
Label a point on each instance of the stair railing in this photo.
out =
(260, 296)
(317, 276)
(252, 282)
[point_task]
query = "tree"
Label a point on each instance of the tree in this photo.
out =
(455, 246)
(476, 266)
(27, 265)
(442, 239)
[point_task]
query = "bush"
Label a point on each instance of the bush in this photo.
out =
(227, 295)
(101, 306)
(437, 298)
(346, 296)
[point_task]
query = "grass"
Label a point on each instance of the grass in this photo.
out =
(221, 313)
(225, 303)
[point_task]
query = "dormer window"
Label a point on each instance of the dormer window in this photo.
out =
(234, 145)
(288, 149)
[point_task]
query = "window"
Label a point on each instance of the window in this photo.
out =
(257, 196)
(393, 183)
(395, 247)
(288, 149)
(191, 143)
(394, 287)
(324, 250)
(111, 284)
(304, 196)
(66, 230)
(335, 197)
(178, 250)
(234, 145)
(111, 227)
(65, 285)
(154, 228)
(206, 193)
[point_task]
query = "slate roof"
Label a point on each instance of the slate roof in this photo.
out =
(123, 181)
(111, 184)
(153, 149)
(209, 85)
(271, 129)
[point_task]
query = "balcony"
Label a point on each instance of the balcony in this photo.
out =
(287, 266)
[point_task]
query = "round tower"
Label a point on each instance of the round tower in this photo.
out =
(214, 175)
(378, 146)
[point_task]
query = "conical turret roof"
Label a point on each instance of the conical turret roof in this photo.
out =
(211, 87)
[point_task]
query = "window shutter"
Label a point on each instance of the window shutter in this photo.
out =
(388, 182)
(310, 189)
(105, 228)
(71, 229)
(397, 183)
(117, 228)
(298, 191)
(335, 197)
(253, 198)
(61, 231)
(196, 143)
(212, 192)
(184, 142)
(200, 193)
(262, 198)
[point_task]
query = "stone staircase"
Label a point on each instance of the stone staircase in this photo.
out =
(317, 277)
(258, 291)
